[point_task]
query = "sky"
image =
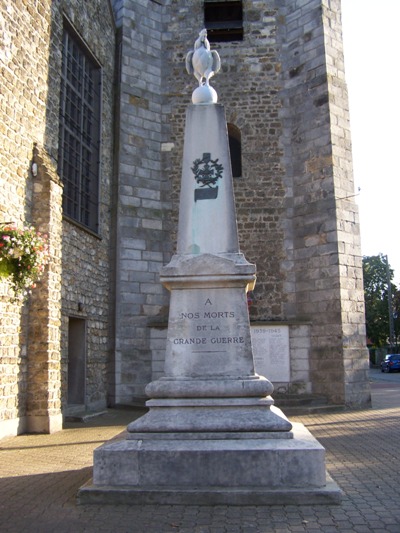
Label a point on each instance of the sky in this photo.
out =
(371, 38)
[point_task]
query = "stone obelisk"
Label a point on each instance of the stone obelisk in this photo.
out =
(209, 383)
(212, 433)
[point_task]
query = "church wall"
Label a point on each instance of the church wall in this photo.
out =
(355, 357)
(284, 87)
(142, 212)
(322, 221)
(86, 267)
(249, 85)
(24, 54)
(33, 334)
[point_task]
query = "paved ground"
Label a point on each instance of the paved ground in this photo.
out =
(40, 475)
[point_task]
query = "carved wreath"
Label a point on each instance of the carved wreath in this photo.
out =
(207, 171)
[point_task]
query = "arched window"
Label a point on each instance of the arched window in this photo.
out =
(235, 147)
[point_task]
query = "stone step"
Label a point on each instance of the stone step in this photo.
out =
(83, 415)
(292, 404)
(284, 400)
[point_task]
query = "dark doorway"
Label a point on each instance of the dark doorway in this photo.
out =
(76, 361)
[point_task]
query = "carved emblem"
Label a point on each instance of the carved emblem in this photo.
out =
(206, 172)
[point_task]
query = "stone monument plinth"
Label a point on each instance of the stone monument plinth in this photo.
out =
(212, 434)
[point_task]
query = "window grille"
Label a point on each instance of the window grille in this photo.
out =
(79, 135)
(223, 20)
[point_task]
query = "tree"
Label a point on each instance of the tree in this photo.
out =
(375, 272)
(396, 316)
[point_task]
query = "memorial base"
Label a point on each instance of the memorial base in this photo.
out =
(210, 415)
(169, 469)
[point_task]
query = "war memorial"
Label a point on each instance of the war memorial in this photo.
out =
(212, 434)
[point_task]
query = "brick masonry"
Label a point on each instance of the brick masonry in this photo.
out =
(33, 337)
(87, 291)
(143, 226)
(24, 92)
(283, 86)
(43, 378)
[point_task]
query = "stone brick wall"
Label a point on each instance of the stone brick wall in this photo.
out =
(284, 87)
(324, 261)
(43, 377)
(87, 264)
(248, 86)
(355, 356)
(142, 225)
(34, 335)
(24, 53)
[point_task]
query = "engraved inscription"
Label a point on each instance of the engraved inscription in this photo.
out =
(208, 328)
(271, 352)
(208, 314)
(212, 340)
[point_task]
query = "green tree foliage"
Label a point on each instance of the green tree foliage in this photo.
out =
(376, 298)
(396, 315)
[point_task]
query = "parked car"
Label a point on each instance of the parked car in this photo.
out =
(391, 362)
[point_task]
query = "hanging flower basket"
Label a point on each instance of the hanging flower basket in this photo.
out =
(23, 257)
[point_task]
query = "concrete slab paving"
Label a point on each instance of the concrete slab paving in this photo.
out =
(41, 474)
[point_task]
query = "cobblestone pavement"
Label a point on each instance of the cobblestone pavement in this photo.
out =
(40, 476)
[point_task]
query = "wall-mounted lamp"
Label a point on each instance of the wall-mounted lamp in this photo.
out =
(34, 169)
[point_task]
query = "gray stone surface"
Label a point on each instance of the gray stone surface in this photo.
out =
(285, 92)
(208, 359)
(215, 415)
(40, 476)
(212, 471)
(285, 97)
(210, 383)
(142, 227)
(206, 225)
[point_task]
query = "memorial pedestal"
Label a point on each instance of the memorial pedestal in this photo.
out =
(212, 434)
(229, 470)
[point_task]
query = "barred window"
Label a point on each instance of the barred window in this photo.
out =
(223, 20)
(79, 135)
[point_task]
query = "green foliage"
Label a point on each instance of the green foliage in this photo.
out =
(23, 256)
(376, 298)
